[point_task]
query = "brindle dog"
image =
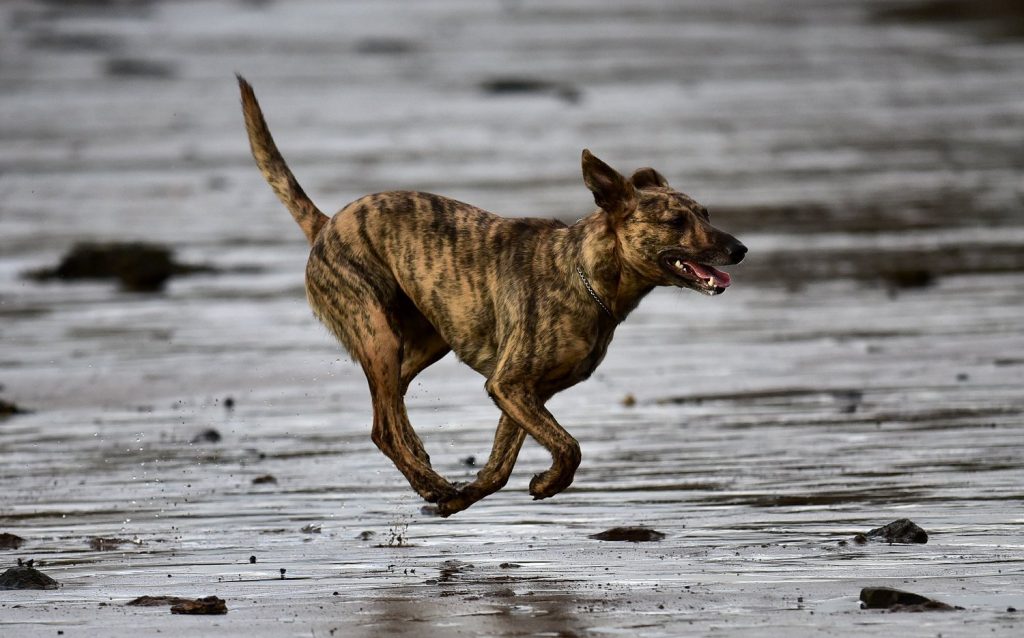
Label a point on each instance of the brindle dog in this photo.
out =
(402, 278)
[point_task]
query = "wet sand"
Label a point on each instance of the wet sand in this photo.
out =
(865, 366)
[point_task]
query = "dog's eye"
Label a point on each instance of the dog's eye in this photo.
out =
(678, 222)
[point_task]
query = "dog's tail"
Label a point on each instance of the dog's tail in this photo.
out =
(274, 168)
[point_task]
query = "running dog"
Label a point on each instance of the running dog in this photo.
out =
(402, 278)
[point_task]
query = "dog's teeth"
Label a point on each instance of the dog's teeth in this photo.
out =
(679, 264)
(711, 282)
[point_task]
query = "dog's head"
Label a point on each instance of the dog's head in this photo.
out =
(663, 235)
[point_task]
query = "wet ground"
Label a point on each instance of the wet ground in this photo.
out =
(865, 366)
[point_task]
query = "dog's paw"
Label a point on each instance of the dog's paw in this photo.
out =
(547, 484)
(438, 493)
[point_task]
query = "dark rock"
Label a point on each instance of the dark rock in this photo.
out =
(899, 600)
(469, 461)
(9, 409)
(509, 565)
(265, 479)
(629, 534)
(209, 435)
(208, 605)
(10, 541)
(140, 267)
(157, 601)
(26, 577)
(902, 530)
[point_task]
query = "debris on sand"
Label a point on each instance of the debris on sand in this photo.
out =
(9, 409)
(107, 544)
(902, 531)
(899, 600)
(629, 400)
(311, 528)
(140, 267)
(25, 576)
(10, 541)
(208, 605)
(157, 601)
(629, 534)
(265, 479)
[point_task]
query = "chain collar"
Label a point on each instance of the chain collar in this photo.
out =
(586, 284)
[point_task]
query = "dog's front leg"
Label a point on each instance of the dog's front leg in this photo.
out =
(520, 402)
(508, 439)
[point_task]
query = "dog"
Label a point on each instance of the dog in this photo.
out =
(402, 278)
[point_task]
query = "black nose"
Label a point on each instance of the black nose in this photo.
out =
(736, 252)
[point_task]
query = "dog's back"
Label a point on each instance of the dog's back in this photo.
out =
(468, 272)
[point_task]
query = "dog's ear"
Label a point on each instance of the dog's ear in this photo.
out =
(612, 192)
(648, 178)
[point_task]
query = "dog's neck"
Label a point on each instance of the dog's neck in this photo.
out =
(610, 280)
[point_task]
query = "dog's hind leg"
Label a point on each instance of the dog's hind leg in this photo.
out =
(373, 336)
(421, 348)
(508, 439)
(392, 434)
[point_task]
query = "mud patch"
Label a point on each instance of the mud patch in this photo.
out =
(139, 68)
(157, 601)
(629, 535)
(994, 19)
(109, 544)
(514, 85)
(899, 600)
(890, 268)
(211, 605)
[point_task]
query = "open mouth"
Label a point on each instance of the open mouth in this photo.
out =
(702, 277)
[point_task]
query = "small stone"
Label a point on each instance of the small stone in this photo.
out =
(901, 531)
(266, 479)
(629, 400)
(209, 435)
(252, 560)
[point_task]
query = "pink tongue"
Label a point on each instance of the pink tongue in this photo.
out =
(722, 279)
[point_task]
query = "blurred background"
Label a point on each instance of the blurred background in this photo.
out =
(878, 141)
(868, 152)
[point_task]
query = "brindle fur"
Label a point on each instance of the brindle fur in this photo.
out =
(402, 278)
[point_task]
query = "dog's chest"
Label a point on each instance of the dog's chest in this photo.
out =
(579, 363)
